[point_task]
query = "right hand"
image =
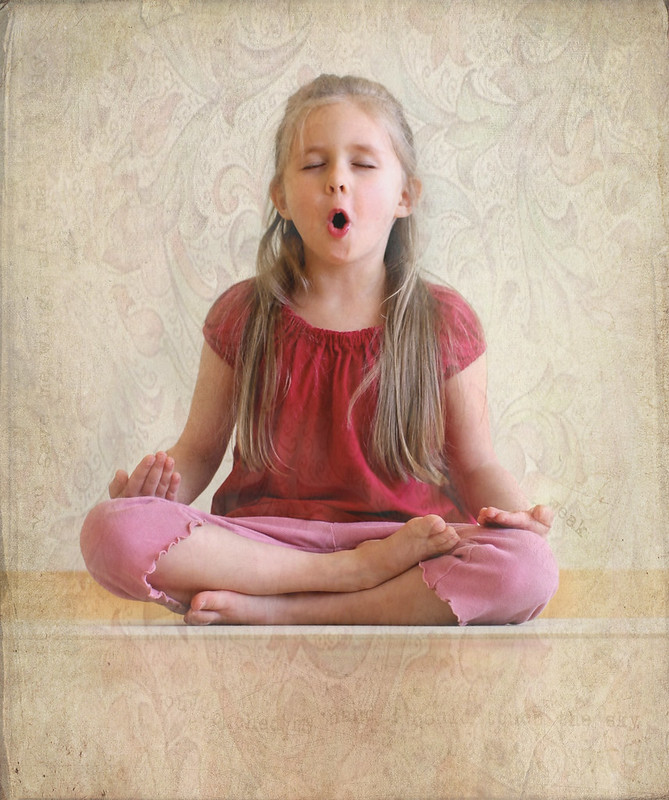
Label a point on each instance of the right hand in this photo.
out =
(537, 519)
(154, 476)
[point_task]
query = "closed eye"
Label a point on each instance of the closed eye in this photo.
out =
(313, 166)
(365, 165)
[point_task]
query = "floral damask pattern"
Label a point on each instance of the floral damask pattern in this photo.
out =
(138, 154)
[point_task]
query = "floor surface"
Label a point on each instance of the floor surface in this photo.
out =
(553, 709)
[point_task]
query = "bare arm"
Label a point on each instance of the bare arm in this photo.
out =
(488, 491)
(200, 449)
(187, 468)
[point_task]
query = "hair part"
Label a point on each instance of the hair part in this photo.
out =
(408, 431)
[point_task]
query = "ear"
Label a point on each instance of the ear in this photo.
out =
(278, 196)
(410, 196)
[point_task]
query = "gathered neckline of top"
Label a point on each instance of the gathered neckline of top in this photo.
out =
(361, 334)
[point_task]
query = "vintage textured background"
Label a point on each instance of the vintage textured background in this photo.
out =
(136, 164)
(136, 156)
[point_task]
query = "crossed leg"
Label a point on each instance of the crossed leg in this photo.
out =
(491, 577)
(220, 561)
(402, 600)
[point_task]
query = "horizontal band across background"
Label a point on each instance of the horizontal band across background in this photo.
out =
(74, 596)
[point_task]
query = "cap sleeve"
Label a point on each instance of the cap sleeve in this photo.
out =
(461, 337)
(224, 324)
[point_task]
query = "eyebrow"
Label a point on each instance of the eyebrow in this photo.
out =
(366, 149)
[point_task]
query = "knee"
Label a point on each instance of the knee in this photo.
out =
(104, 541)
(111, 542)
(527, 577)
(116, 525)
(103, 531)
(94, 531)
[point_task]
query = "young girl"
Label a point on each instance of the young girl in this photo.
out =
(364, 488)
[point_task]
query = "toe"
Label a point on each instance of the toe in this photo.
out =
(201, 601)
(202, 618)
(215, 607)
(435, 523)
(450, 538)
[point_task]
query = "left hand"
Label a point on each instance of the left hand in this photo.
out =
(153, 476)
(537, 519)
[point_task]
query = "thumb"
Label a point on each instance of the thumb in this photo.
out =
(543, 514)
(118, 483)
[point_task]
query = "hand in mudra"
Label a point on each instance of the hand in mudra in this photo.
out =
(537, 519)
(154, 476)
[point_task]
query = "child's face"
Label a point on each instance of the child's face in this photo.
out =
(343, 187)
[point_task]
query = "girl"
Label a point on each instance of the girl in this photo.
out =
(364, 488)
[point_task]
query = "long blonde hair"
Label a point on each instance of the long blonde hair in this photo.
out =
(407, 436)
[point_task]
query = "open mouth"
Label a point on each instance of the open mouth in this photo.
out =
(338, 222)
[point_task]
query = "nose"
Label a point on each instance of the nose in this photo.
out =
(336, 180)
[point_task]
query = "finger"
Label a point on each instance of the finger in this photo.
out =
(489, 516)
(154, 475)
(483, 516)
(118, 483)
(175, 481)
(523, 521)
(511, 518)
(138, 476)
(543, 514)
(165, 477)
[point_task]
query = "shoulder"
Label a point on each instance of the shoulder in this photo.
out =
(461, 335)
(451, 304)
(224, 324)
(237, 296)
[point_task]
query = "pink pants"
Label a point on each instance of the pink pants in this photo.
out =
(494, 577)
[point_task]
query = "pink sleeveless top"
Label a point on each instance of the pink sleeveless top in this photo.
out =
(327, 474)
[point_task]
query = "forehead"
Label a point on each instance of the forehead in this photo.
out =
(342, 121)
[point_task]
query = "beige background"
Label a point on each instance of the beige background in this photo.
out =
(136, 155)
(137, 152)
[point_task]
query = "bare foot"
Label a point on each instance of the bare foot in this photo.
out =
(404, 600)
(379, 560)
(228, 562)
(232, 608)
(370, 564)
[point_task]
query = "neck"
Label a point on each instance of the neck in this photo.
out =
(343, 299)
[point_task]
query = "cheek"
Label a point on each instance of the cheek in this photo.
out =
(382, 209)
(296, 197)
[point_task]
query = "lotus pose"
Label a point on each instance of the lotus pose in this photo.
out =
(364, 487)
